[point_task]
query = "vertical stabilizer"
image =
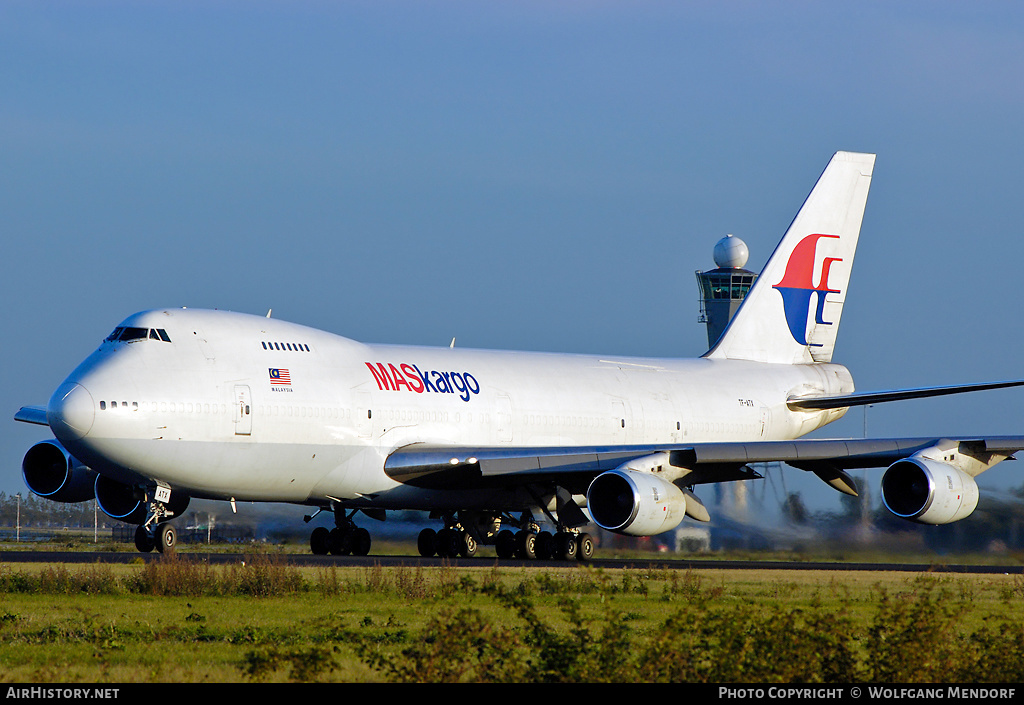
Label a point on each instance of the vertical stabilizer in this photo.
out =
(792, 313)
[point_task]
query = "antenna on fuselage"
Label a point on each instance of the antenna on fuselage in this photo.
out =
(269, 311)
(452, 344)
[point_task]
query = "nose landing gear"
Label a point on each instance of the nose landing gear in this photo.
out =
(156, 531)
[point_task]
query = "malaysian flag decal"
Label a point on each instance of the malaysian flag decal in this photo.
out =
(279, 376)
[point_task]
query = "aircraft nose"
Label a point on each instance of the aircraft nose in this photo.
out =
(71, 411)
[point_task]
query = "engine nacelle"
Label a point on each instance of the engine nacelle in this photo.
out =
(635, 503)
(51, 472)
(928, 491)
(121, 501)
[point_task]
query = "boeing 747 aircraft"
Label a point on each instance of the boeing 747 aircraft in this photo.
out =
(182, 403)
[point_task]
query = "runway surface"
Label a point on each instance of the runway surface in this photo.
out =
(486, 561)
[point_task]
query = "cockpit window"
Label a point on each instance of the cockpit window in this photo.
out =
(123, 333)
(134, 334)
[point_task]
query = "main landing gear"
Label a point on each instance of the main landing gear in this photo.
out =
(463, 535)
(344, 539)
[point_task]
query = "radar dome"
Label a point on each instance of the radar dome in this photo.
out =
(731, 252)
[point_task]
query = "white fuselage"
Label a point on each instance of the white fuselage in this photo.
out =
(252, 408)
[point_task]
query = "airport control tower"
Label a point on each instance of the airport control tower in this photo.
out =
(722, 290)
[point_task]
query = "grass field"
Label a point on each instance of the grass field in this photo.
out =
(182, 620)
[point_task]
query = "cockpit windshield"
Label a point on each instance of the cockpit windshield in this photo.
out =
(128, 333)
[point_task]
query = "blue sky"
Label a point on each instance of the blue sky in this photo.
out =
(521, 175)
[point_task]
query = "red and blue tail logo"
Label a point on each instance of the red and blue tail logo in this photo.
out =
(797, 287)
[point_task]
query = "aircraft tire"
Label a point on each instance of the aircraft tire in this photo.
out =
(426, 542)
(447, 543)
(545, 546)
(166, 538)
(320, 541)
(340, 542)
(361, 542)
(565, 546)
(467, 545)
(505, 544)
(143, 541)
(585, 543)
(526, 545)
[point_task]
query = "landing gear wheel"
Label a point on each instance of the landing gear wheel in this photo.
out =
(166, 538)
(426, 542)
(143, 541)
(467, 545)
(565, 546)
(361, 542)
(585, 543)
(447, 543)
(340, 542)
(545, 546)
(320, 541)
(526, 545)
(505, 544)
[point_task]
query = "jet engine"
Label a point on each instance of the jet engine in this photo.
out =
(123, 502)
(635, 503)
(928, 492)
(51, 472)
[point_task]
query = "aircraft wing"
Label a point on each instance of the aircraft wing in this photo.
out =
(32, 414)
(436, 467)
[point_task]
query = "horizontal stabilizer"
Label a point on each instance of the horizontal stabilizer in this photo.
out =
(32, 414)
(848, 400)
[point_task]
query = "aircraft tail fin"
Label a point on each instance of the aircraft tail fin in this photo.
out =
(791, 314)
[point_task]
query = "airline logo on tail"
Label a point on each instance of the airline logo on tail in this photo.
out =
(797, 287)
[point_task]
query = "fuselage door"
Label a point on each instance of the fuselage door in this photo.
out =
(364, 414)
(504, 414)
(243, 410)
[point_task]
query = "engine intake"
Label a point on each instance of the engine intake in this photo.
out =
(51, 472)
(118, 501)
(635, 503)
(928, 492)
